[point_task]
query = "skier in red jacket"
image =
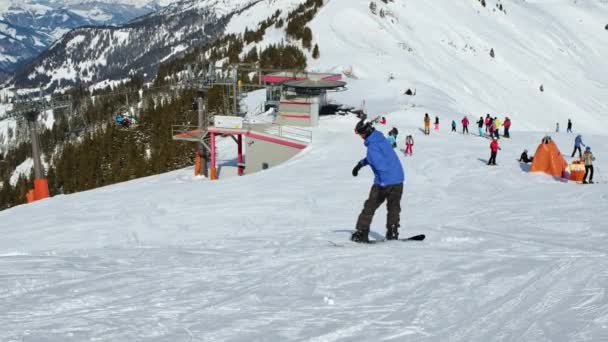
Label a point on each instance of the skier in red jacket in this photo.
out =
(493, 151)
(465, 125)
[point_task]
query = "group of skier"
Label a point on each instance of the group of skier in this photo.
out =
(568, 128)
(492, 125)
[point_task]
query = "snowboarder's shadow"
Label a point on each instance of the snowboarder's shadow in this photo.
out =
(485, 161)
(372, 234)
(421, 129)
(525, 167)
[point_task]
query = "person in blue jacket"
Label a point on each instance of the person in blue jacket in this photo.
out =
(578, 141)
(389, 178)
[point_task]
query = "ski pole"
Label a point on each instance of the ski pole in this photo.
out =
(600, 175)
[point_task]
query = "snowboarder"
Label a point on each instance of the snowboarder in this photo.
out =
(588, 159)
(409, 143)
(507, 125)
(578, 141)
(493, 151)
(465, 125)
(524, 157)
(389, 177)
(569, 128)
(480, 123)
(436, 123)
(427, 124)
(453, 125)
(557, 127)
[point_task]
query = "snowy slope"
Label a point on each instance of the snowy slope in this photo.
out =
(560, 44)
(509, 255)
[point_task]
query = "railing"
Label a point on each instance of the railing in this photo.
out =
(186, 132)
(191, 132)
(290, 132)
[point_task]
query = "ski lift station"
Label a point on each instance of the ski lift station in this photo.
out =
(263, 145)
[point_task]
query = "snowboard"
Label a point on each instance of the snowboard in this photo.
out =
(411, 238)
(419, 237)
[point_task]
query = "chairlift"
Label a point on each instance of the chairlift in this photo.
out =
(78, 129)
(126, 121)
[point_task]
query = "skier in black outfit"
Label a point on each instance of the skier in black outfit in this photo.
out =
(388, 183)
(569, 129)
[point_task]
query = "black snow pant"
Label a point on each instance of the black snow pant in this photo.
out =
(580, 154)
(588, 171)
(492, 160)
(465, 129)
(506, 135)
(377, 196)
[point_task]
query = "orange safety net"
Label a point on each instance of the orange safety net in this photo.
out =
(549, 159)
(577, 171)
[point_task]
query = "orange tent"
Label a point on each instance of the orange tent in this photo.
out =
(549, 159)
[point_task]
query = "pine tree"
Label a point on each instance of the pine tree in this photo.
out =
(307, 38)
(315, 52)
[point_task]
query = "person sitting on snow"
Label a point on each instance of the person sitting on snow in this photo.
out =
(524, 157)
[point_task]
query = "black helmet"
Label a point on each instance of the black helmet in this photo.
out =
(364, 128)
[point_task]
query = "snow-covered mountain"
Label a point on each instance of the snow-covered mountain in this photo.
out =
(509, 255)
(29, 27)
(99, 53)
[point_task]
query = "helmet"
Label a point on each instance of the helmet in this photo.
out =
(525, 151)
(364, 128)
(588, 148)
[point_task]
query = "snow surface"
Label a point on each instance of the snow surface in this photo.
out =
(509, 255)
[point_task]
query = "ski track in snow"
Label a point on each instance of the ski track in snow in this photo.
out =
(495, 265)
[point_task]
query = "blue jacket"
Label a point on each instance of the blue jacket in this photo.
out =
(383, 160)
(578, 141)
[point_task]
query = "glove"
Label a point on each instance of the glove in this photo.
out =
(356, 169)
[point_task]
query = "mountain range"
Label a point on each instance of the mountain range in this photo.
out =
(95, 53)
(29, 27)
